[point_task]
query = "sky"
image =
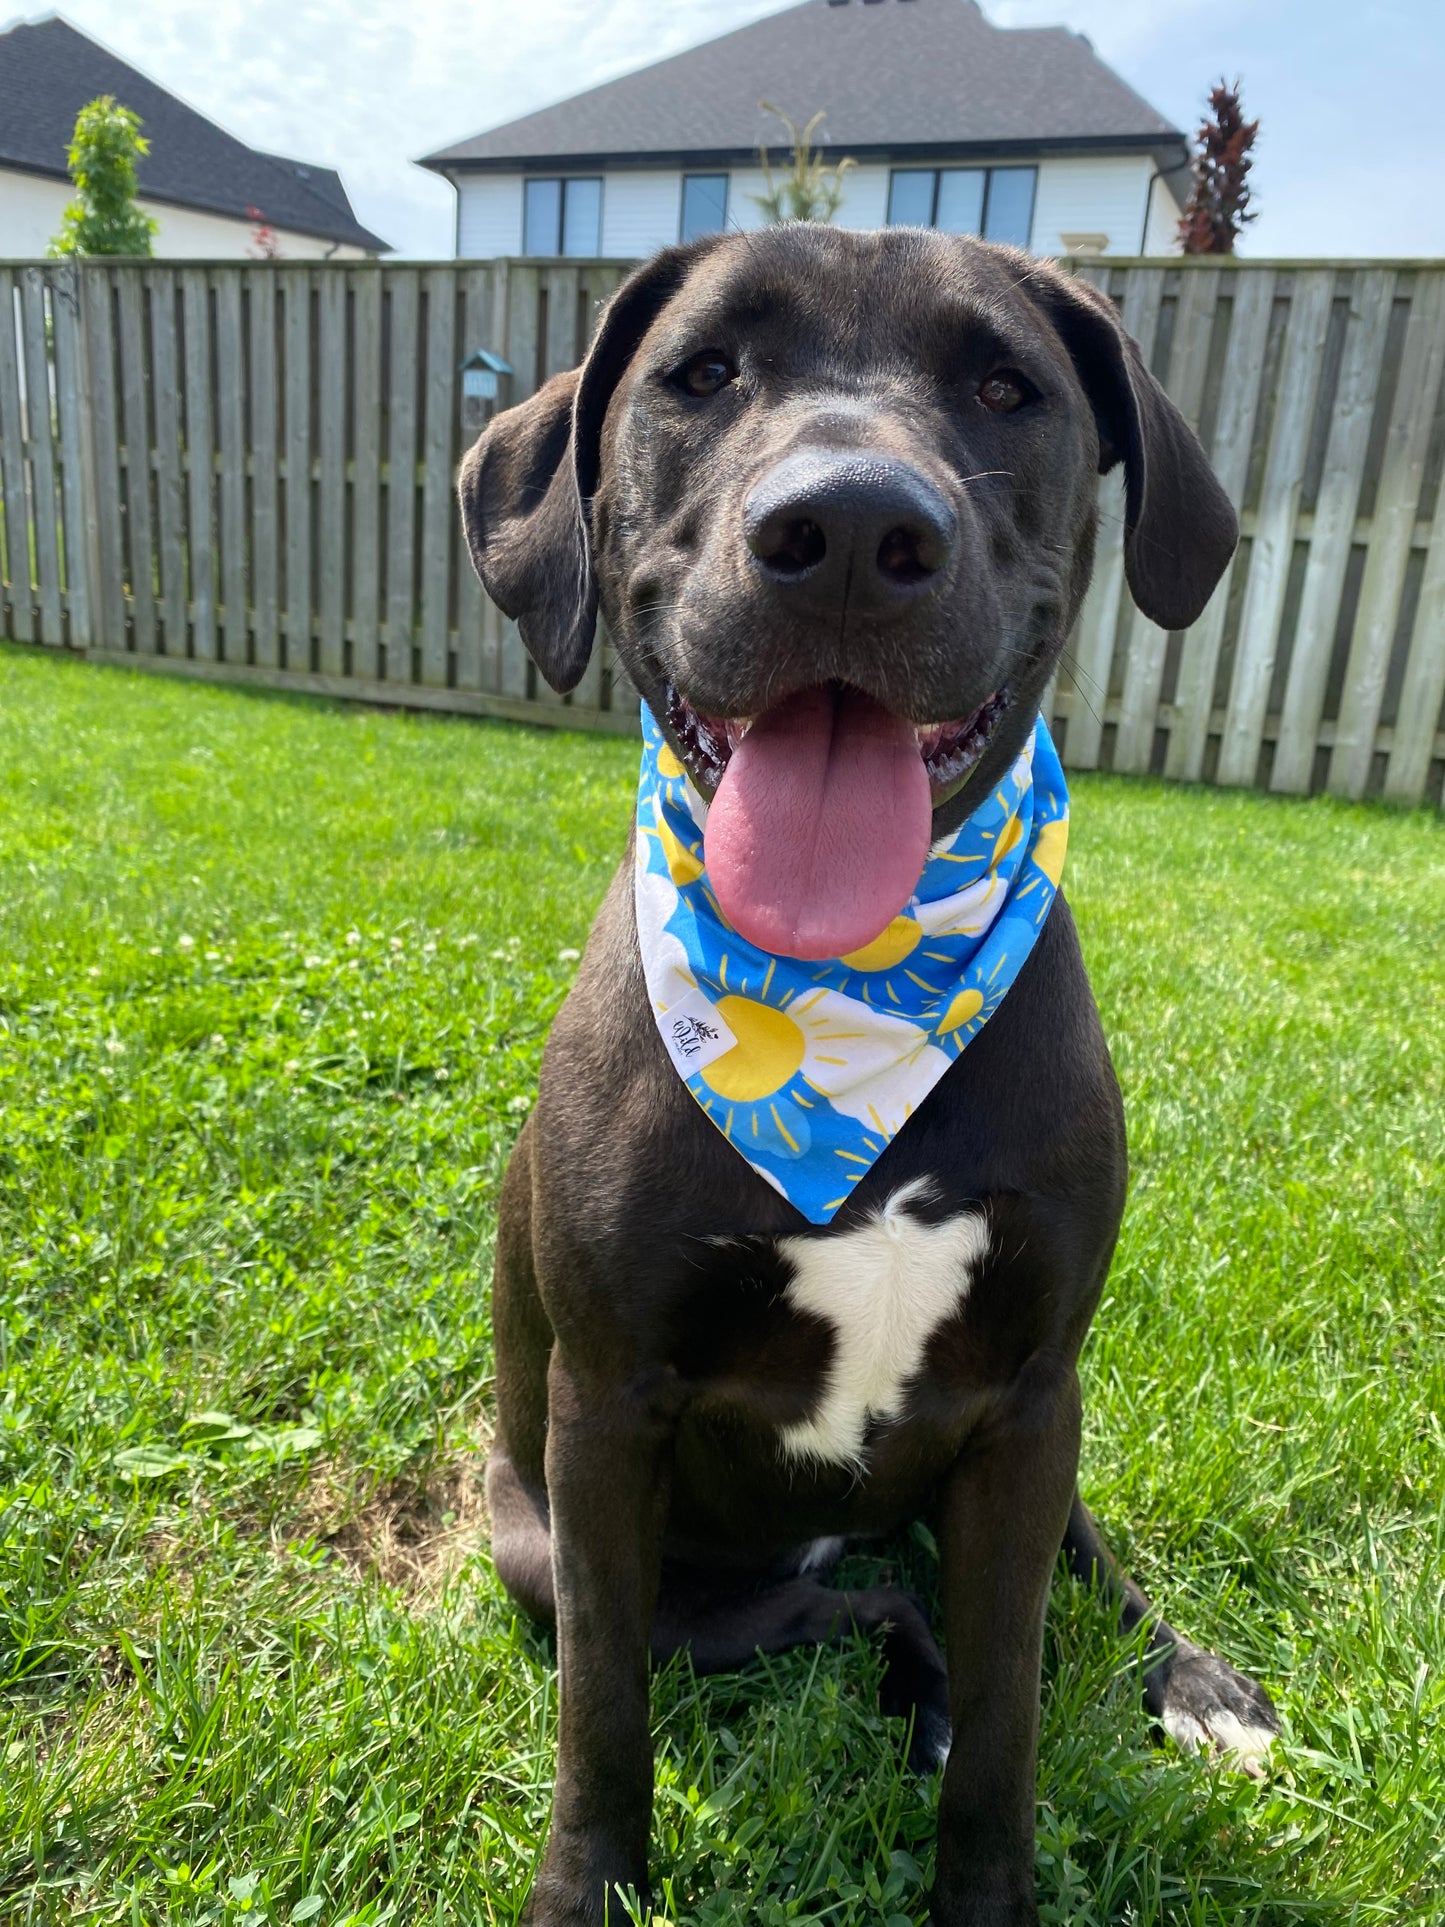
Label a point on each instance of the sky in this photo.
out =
(1350, 94)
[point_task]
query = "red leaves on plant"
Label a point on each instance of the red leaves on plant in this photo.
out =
(1218, 208)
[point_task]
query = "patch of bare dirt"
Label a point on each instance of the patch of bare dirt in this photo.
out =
(414, 1534)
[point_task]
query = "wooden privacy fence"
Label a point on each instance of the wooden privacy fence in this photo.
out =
(246, 471)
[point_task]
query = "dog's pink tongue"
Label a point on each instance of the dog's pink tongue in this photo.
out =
(819, 830)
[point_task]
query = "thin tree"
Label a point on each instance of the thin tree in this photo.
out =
(810, 190)
(1218, 209)
(105, 217)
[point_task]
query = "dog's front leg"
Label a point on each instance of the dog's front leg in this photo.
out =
(608, 1460)
(1003, 1507)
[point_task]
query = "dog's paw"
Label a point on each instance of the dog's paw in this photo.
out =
(915, 1684)
(931, 1737)
(1205, 1706)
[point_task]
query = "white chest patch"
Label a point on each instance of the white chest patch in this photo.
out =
(885, 1289)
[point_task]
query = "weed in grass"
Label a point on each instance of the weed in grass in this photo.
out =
(274, 981)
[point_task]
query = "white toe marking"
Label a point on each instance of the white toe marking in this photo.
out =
(1240, 1742)
(822, 1552)
(885, 1289)
(1185, 1731)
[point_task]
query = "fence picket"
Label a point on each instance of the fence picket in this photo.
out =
(296, 296)
(1422, 690)
(401, 476)
(1274, 529)
(104, 483)
(598, 285)
(559, 352)
(1098, 625)
(438, 508)
(1229, 455)
(331, 373)
(515, 674)
(45, 523)
(1145, 643)
(170, 483)
(1393, 527)
(265, 492)
(1333, 524)
(561, 349)
(200, 478)
(472, 664)
(19, 595)
(366, 475)
(136, 465)
(231, 421)
(524, 291)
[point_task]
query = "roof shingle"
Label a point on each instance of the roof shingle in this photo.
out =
(889, 75)
(49, 71)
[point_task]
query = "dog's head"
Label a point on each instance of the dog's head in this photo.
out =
(835, 493)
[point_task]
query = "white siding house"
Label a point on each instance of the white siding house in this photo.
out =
(1112, 204)
(31, 208)
(207, 191)
(1023, 135)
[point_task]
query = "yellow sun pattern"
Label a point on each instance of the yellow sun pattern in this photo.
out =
(810, 1069)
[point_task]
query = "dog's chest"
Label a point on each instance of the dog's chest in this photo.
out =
(882, 1290)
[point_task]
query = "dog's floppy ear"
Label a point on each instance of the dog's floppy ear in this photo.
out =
(1180, 528)
(526, 484)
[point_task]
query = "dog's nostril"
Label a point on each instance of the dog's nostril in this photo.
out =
(796, 547)
(901, 557)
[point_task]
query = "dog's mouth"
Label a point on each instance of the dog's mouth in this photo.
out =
(821, 810)
(948, 750)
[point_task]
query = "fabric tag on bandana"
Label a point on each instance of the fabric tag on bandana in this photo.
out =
(694, 1033)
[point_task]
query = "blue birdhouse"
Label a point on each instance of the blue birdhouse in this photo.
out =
(482, 377)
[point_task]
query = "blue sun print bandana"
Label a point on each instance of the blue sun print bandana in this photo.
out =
(809, 1069)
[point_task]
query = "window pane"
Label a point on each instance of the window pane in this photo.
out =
(1010, 205)
(910, 197)
(582, 217)
(960, 200)
(542, 217)
(704, 204)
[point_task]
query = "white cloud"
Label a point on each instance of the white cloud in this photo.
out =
(368, 85)
(1347, 90)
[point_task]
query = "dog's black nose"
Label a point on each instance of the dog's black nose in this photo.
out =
(848, 524)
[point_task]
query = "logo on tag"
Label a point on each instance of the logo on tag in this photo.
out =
(694, 1034)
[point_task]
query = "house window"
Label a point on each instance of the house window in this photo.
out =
(996, 202)
(960, 200)
(562, 217)
(911, 194)
(1010, 214)
(704, 205)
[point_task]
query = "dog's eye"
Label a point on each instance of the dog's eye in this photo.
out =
(1004, 391)
(707, 373)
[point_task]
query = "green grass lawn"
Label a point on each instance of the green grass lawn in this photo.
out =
(274, 980)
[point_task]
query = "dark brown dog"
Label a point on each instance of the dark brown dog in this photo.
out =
(795, 461)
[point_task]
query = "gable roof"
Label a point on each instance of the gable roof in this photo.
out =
(49, 71)
(890, 75)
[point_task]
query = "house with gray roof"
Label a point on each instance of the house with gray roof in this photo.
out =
(1021, 134)
(206, 190)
